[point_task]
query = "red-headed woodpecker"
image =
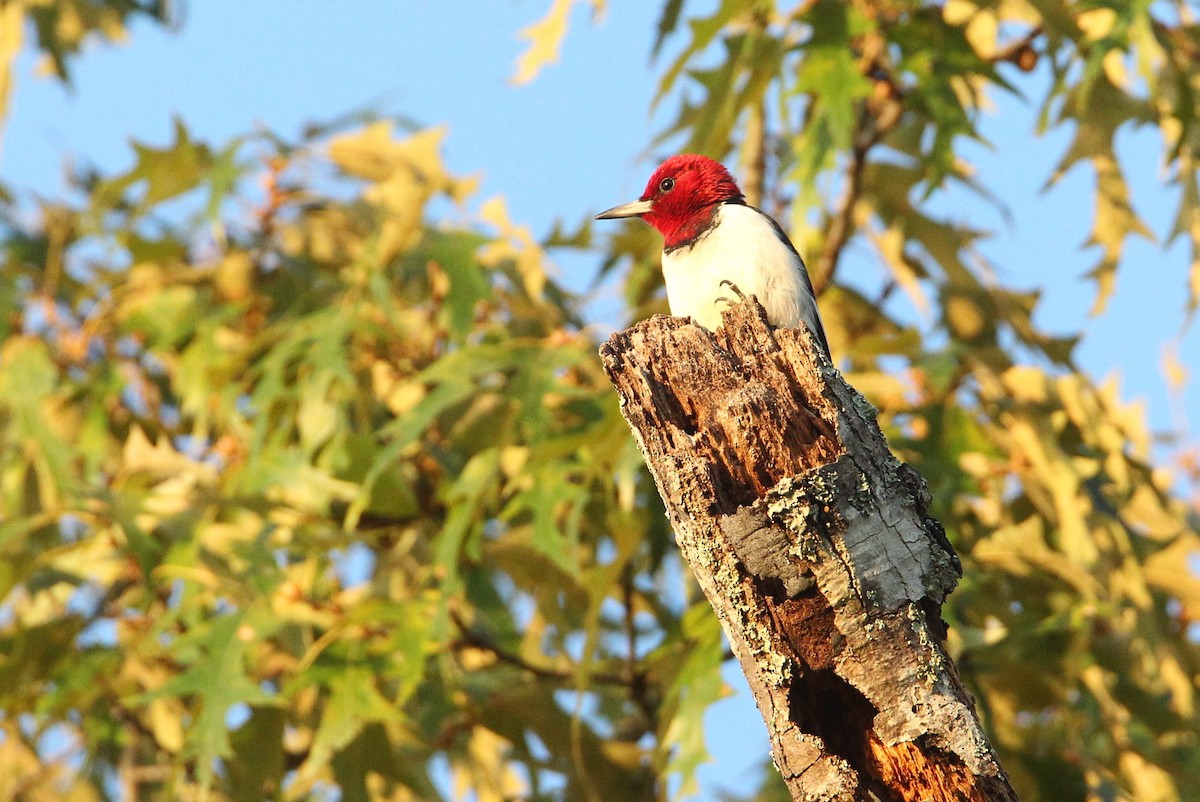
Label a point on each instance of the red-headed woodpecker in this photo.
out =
(712, 238)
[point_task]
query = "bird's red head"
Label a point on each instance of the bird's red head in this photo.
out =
(681, 197)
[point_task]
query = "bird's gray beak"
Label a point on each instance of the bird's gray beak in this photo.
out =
(635, 209)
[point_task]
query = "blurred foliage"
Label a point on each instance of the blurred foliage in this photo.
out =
(306, 493)
(545, 38)
(61, 28)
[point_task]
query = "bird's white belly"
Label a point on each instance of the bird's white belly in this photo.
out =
(744, 249)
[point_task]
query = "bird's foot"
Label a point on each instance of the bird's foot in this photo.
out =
(741, 296)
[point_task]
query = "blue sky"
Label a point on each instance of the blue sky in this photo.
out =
(570, 144)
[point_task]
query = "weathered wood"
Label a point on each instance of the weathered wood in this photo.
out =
(813, 545)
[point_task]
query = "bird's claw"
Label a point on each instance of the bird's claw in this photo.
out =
(725, 299)
(727, 283)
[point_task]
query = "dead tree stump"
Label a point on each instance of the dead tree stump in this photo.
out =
(812, 542)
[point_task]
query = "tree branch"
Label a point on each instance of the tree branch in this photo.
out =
(754, 155)
(879, 115)
(876, 120)
(638, 689)
(840, 224)
(1020, 52)
(472, 637)
(754, 143)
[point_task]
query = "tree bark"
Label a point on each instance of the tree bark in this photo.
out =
(812, 542)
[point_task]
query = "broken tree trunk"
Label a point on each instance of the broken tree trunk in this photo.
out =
(813, 545)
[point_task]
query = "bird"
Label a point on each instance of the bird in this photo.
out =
(713, 239)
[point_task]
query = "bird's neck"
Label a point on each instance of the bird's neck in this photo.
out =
(687, 231)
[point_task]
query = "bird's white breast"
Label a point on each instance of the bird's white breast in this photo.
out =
(745, 248)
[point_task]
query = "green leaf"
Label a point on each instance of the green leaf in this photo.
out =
(555, 504)
(371, 755)
(216, 679)
(168, 172)
(27, 382)
(464, 500)
(667, 22)
(703, 33)
(469, 283)
(164, 317)
(257, 764)
(402, 432)
(830, 73)
(695, 685)
(353, 704)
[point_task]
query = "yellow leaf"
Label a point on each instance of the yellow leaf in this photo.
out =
(1175, 371)
(982, 32)
(45, 605)
(94, 559)
(289, 604)
(148, 674)
(1026, 383)
(1168, 571)
(317, 417)
(109, 23)
(994, 630)
(1129, 421)
(1146, 511)
(375, 154)
(46, 68)
(233, 276)
(966, 318)
(69, 26)
(1114, 67)
(1032, 440)
(166, 722)
(1018, 11)
(307, 489)
(225, 538)
(406, 174)
(975, 463)
(486, 772)
(886, 391)
(513, 460)
(545, 38)
(12, 24)
(981, 26)
(1194, 279)
(369, 153)
(891, 247)
(1147, 780)
(398, 394)
(139, 455)
(1114, 221)
(517, 243)
(1176, 679)
(1021, 550)
(956, 12)
(1096, 23)
(971, 91)
(473, 659)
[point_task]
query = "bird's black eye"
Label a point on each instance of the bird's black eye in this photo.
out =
(666, 185)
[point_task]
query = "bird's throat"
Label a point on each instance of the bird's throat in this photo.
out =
(689, 230)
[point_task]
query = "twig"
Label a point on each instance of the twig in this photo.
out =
(473, 638)
(876, 121)
(637, 685)
(754, 155)
(754, 143)
(870, 131)
(1019, 52)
